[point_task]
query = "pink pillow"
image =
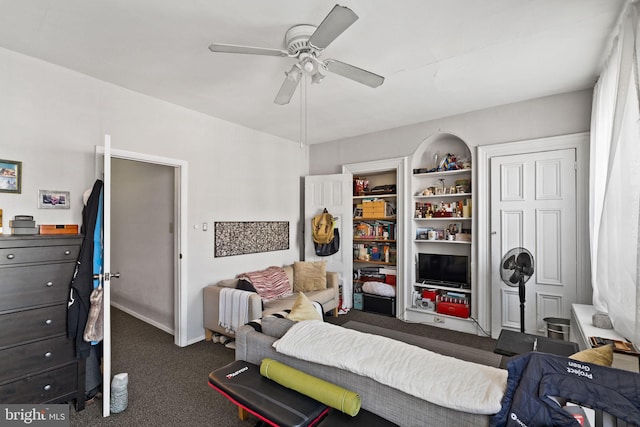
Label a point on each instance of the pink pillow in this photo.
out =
(270, 283)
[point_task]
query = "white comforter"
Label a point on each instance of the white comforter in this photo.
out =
(443, 380)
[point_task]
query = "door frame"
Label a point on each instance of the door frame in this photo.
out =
(180, 240)
(577, 141)
(400, 165)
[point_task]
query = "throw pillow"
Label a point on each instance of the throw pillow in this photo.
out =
(270, 283)
(309, 276)
(245, 285)
(598, 356)
(303, 309)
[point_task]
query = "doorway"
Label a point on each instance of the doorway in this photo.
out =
(181, 173)
(143, 210)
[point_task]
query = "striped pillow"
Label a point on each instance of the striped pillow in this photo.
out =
(270, 283)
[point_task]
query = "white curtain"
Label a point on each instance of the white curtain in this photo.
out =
(614, 202)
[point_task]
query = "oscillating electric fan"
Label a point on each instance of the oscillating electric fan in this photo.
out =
(517, 267)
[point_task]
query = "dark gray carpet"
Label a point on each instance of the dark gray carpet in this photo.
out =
(168, 384)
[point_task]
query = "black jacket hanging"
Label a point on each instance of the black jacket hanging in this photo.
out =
(82, 282)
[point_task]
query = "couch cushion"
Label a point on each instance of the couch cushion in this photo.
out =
(288, 269)
(228, 283)
(270, 283)
(303, 309)
(276, 326)
(309, 276)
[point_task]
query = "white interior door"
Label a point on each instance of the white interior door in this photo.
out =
(533, 205)
(103, 171)
(331, 192)
(106, 256)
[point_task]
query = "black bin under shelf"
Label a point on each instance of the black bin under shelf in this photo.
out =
(378, 304)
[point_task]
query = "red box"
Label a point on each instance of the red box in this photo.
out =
(390, 279)
(453, 309)
(430, 294)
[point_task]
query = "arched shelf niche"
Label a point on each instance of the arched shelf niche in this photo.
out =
(440, 145)
(441, 214)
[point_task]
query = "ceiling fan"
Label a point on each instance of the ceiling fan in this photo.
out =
(306, 43)
(517, 267)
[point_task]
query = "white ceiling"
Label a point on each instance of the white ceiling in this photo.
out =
(439, 57)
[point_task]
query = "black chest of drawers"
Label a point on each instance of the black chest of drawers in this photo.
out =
(38, 362)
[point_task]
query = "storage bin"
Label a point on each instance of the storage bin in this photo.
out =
(357, 300)
(374, 209)
(379, 304)
(557, 328)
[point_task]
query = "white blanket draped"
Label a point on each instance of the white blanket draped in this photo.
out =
(233, 310)
(443, 380)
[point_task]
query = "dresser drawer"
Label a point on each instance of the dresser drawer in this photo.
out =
(41, 388)
(35, 285)
(23, 326)
(21, 255)
(38, 356)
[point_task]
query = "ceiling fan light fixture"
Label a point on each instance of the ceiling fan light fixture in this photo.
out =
(294, 73)
(309, 66)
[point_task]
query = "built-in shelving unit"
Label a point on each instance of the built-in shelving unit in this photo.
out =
(375, 237)
(441, 290)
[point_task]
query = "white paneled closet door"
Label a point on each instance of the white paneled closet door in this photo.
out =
(331, 192)
(533, 205)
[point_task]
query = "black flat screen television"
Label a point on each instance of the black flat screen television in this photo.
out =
(446, 270)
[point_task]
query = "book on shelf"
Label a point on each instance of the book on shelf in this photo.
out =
(24, 231)
(379, 229)
(22, 223)
(619, 346)
(388, 270)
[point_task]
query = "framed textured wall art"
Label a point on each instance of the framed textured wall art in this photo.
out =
(249, 237)
(10, 176)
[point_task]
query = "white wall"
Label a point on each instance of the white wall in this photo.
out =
(537, 118)
(51, 118)
(142, 236)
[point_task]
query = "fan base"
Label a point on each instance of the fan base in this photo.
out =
(297, 38)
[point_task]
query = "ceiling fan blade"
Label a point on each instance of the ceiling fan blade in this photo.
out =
(289, 85)
(232, 48)
(339, 19)
(354, 73)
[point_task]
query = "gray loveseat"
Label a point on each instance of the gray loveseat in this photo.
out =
(329, 298)
(394, 405)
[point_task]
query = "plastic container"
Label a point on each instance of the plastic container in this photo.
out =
(557, 328)
(119, 393)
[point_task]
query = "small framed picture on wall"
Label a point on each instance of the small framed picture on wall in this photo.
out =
(49, 199)
(10, 176)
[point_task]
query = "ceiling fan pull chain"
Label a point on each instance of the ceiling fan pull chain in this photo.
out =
(303, 111)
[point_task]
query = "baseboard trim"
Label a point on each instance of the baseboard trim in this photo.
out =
(143, 318)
